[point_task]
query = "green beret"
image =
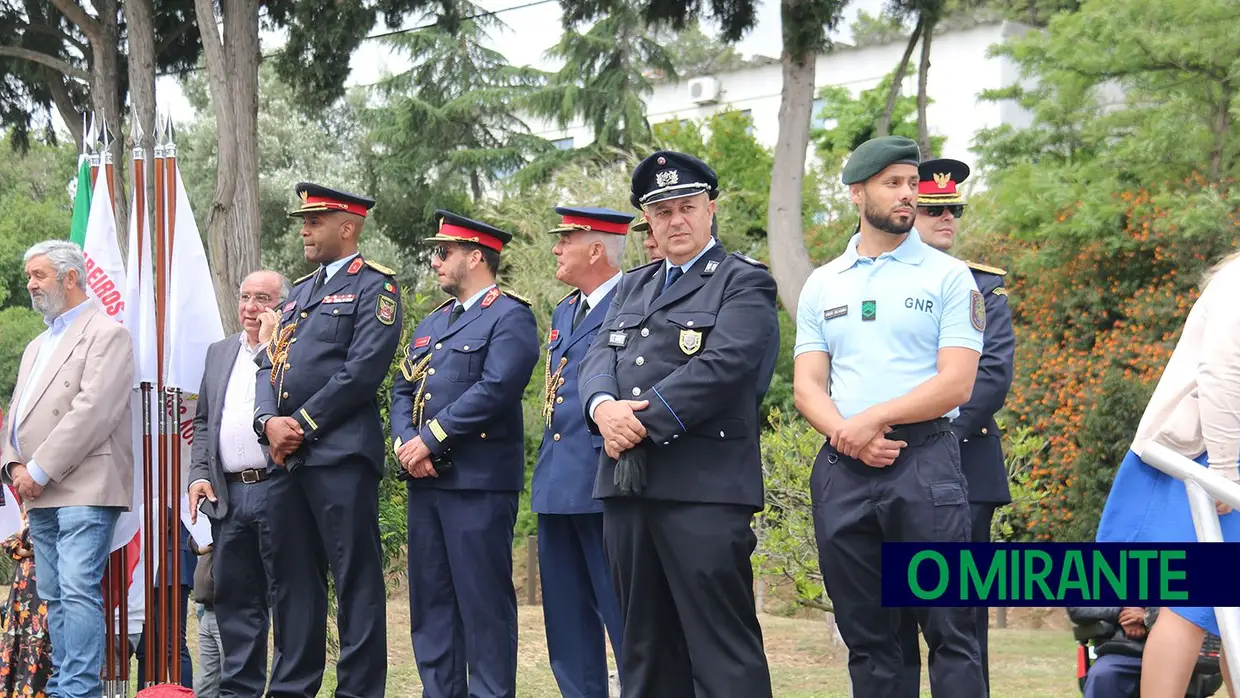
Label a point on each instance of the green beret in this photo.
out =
(877, 154)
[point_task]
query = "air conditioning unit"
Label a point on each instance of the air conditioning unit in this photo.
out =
(704, 90)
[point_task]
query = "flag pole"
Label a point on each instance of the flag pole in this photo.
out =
(153, 482)
(174, 467)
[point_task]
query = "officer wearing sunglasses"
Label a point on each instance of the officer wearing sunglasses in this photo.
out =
(940, 206)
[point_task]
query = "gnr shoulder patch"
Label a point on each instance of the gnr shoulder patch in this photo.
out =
(385, 309)
(977, 311)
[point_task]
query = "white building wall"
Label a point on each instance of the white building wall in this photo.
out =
(960, 71)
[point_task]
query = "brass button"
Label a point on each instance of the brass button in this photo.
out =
(438, 345)
(689, 323)
(645, 331)
(287, 366)
(484, 434)
(294, 339)
(621, 324)
(640, 360)
(305, 314)
(556, 437)
(285, 395)
(427, 397)
(721, 434)
(636, 391)
(559, 400)
(465, 348)
(984, 430)
(430, 371)
(335, 311)
(561, 381)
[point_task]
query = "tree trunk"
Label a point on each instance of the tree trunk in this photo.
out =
(139, 17)
(884, 122)
(790, 262)
(923, 71)
(106, 98)
(232, 222)
(1219, 128)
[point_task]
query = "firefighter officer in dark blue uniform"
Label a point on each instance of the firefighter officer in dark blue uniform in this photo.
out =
(940, 206)
(579, 599)
(888, 339)
(457, 431)
(316, 410)
(671, 385)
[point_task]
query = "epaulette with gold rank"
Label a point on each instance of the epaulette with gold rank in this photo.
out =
(306, 277)
(380, 268)
(517, 298)
(988, 269)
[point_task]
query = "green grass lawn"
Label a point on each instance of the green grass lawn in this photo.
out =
(1024, 663)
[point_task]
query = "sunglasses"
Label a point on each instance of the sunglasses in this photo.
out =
(441, 252)
(936, 211)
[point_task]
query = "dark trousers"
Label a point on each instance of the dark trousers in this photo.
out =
(1113, 676)
(462, 605)
(578, 601)
(152, 636)
(323, 516)
(920, 497)
(685, 582)
(241, 562)
(981, 514)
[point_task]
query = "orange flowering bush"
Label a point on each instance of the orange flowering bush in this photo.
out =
(1096, 322)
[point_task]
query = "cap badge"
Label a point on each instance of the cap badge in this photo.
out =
(942, 179)
(662, 160)
(304, 196)
(666, 178)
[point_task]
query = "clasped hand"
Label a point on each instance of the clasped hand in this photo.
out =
(864, 438)
(620, 428)
(25, 485)
(284, 435)
(415, 458)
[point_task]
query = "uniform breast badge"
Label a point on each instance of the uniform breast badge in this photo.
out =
(690, 341)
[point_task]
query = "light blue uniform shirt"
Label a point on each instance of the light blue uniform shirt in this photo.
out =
(923, 301)
(51, 339)
(335, 267)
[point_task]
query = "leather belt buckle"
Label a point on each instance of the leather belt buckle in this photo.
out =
(250, 477)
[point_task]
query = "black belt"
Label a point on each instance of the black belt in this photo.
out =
(919, 431)
(248, 477)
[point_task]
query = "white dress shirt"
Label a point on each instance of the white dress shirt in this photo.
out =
(238, 447)
(51, 339)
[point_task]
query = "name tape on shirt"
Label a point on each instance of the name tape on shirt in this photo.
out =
(617, 339)
(834, 312)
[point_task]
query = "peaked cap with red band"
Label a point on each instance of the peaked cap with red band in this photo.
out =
(600, 220)
(316, 198)
(454, 228)
(939, 182)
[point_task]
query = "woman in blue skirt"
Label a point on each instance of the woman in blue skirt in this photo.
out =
(1195, 411)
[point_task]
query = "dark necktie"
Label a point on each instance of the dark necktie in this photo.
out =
(672, 275)
(583, 308)
(320, 279)
(457, 312)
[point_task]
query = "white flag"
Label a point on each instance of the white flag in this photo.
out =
(139, 319)
(105, 268)
(193, 316)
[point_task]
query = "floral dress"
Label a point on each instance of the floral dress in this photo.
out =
(25, 648)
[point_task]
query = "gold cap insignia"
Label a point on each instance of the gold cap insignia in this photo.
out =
(942, 179)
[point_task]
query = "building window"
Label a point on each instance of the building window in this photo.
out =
(563, 143)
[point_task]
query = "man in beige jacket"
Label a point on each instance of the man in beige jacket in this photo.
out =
(67, 449)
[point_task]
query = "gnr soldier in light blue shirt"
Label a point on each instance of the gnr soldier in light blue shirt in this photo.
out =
(888, 339)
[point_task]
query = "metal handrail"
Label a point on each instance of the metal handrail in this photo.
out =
(1205, 487)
